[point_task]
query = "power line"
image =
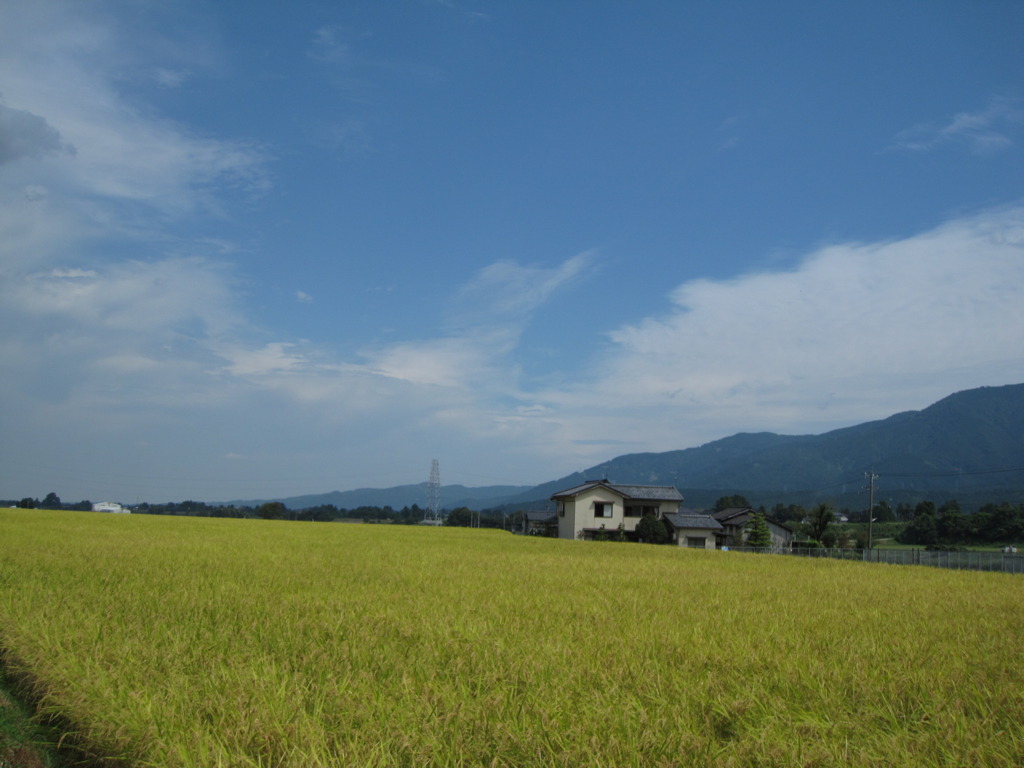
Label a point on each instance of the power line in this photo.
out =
(882, 475)
(956, 473)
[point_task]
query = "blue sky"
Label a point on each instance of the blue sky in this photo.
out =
(254, 249)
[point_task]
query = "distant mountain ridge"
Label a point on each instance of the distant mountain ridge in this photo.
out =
(452, 497)
(961, 445)
(953, 446)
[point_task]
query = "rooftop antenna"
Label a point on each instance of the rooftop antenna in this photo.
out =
(433, 513)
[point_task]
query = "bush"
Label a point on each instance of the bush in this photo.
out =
(651, 530)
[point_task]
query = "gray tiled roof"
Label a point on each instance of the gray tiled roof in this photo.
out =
(578, 489)
(739, 512)
(649, 492)
(739, 517)
(631, 492)
(694, 521)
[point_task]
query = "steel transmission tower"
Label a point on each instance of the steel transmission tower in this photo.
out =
(433, 514)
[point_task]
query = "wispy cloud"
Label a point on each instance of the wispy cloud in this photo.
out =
(61, 105)
(169, 295)
(171, 78)
(509, 291)
(475, 352)
(984, 132)
(331, 44)
(855, 331)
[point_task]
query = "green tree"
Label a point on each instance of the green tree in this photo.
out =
(736, 501)
(884, 512)
(953, 527)
(461, 518)
(52, 501)
(28, 503)
(921, 530)
(819, 521)
(651, 530)
(758, 534)
(793, 512)
(924, 508)
(271, 510)
(1004, 523)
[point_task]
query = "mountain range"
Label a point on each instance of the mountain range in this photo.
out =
(968, 446)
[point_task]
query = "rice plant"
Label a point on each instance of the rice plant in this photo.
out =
(202, 642)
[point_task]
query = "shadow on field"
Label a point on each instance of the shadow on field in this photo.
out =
(29, 741)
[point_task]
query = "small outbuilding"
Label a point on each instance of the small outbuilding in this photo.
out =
(110, 506)
(694, 530)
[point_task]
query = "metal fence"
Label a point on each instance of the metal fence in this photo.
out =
(1003, 562)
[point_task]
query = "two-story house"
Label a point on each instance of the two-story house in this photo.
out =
(596, 505)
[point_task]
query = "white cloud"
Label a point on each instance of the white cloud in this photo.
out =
(65, 272)
(330, 45)
(855, 332)
(985, 132)
(270, 359)
(59, 93)
(171, 78)
(118, 331)
(507, 289)
(174, 295)
(451, 362)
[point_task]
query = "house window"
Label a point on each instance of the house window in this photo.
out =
(695, 543)
(603, 508)
(639, 510)
(561, 509)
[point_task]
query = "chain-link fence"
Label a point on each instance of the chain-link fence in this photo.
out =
(1004, 562)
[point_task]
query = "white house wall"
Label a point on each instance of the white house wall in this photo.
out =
(579, 513)
(698, 533)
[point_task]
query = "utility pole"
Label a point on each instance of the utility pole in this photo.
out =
(871, 477)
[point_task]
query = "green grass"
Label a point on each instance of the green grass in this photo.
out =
(204, 642)
(24, 743)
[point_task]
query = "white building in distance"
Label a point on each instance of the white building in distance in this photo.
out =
(110, 506)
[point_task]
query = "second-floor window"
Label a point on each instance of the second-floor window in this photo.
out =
(603, 509)
(639, 510)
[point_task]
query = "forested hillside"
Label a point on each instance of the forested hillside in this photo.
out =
(967, 444)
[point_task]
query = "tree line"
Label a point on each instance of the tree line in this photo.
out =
(924, 524)
(276, 510)
(949, 526)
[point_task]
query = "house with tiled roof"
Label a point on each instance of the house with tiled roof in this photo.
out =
(539, 524)
(734, 528)
(692, 529)
(598, 508)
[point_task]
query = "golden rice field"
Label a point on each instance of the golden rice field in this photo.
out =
(203, 642)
